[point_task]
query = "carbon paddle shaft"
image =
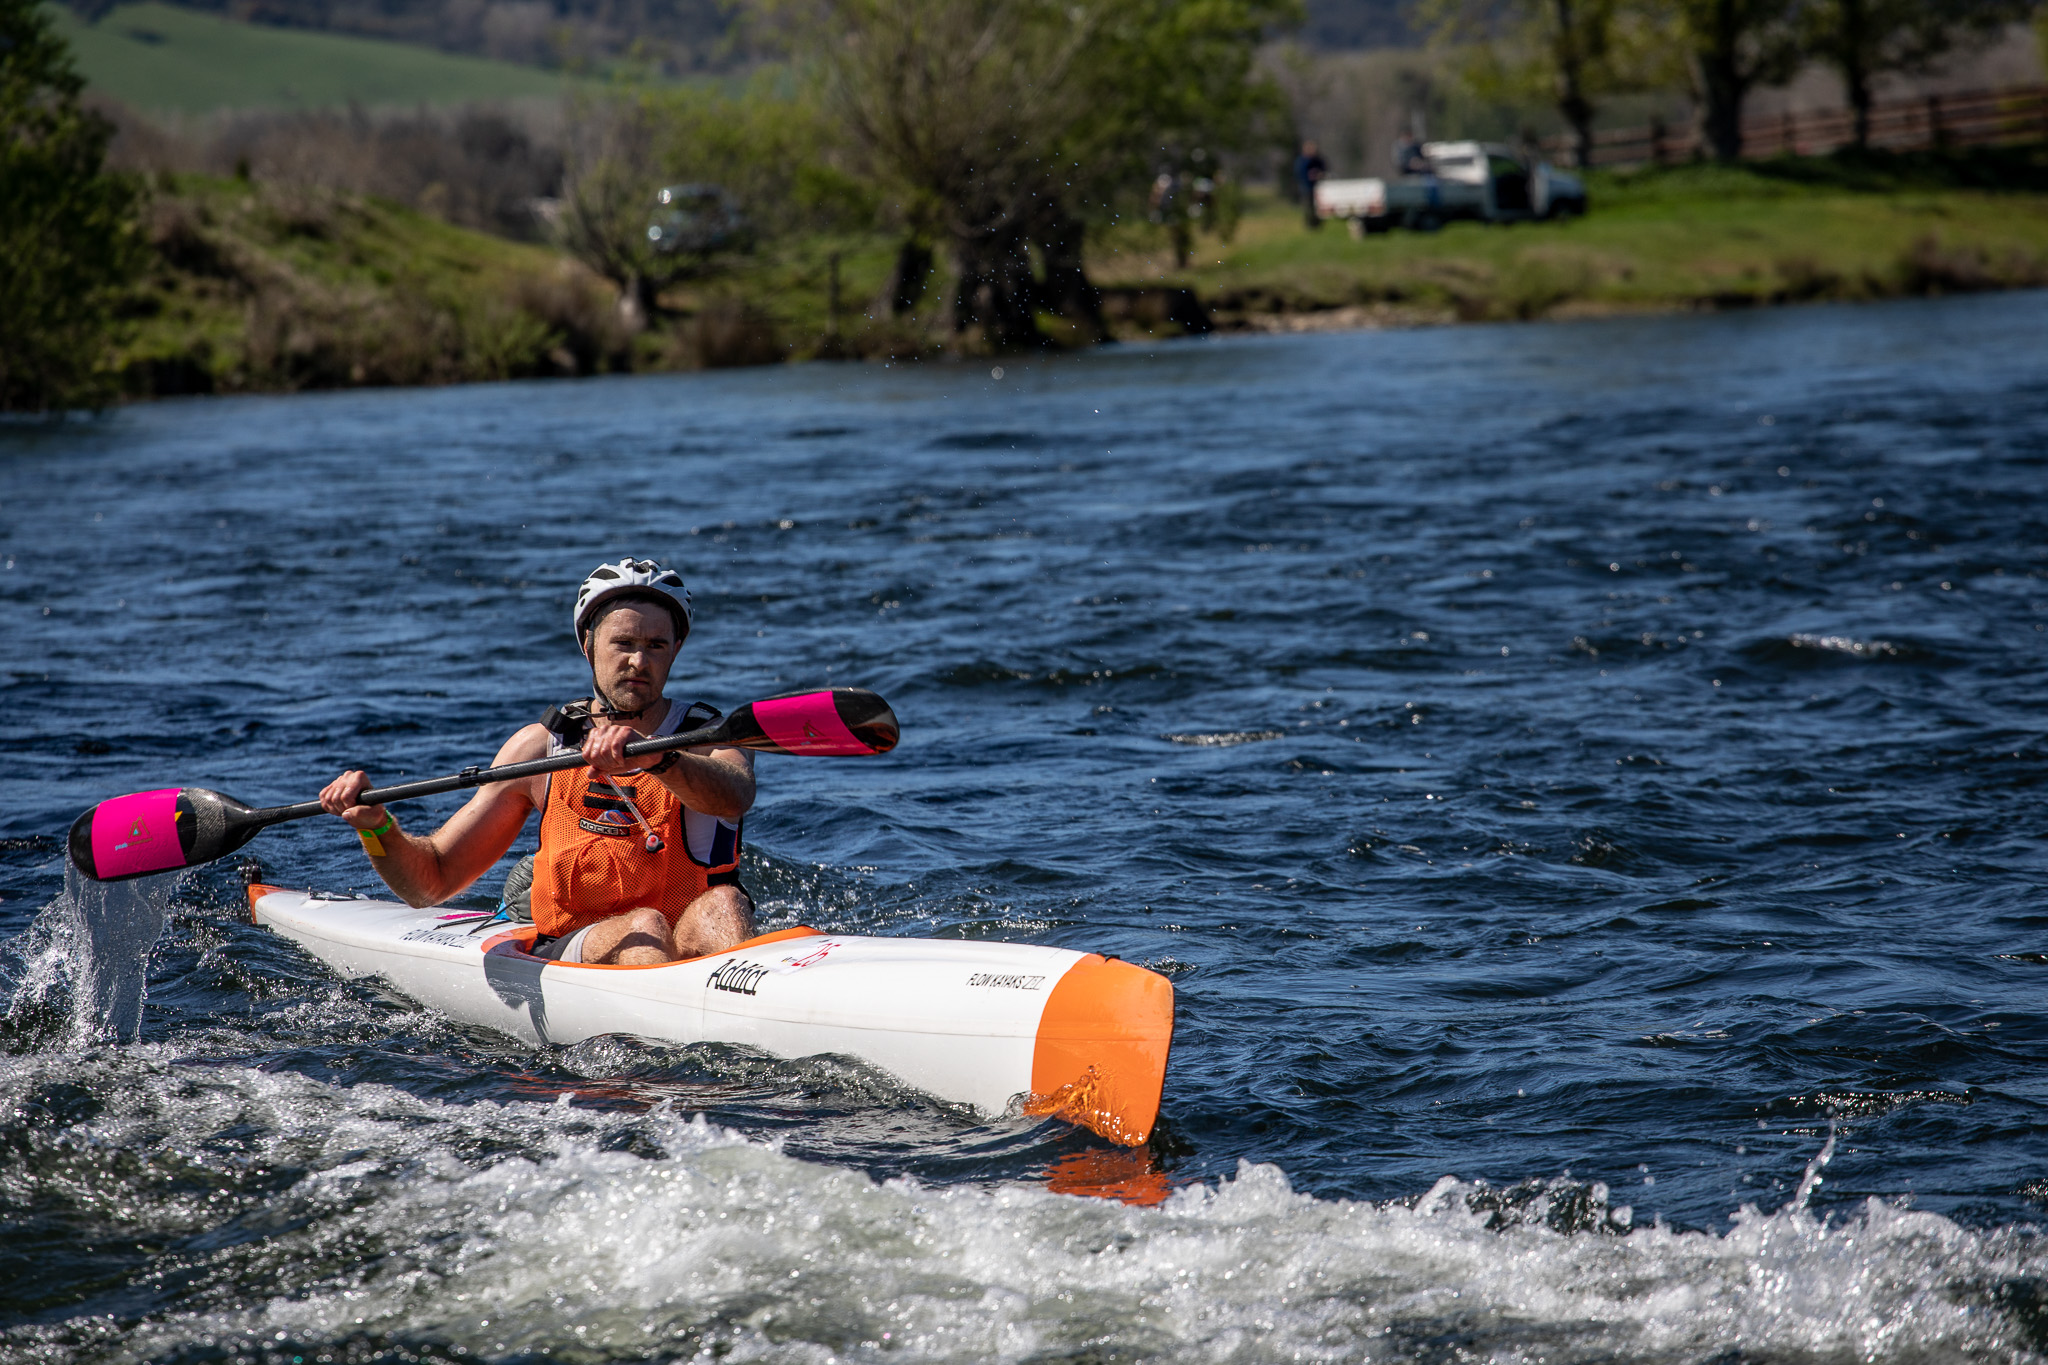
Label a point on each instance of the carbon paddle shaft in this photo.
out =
(477, 777)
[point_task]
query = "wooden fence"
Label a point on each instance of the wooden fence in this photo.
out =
(1963, 119)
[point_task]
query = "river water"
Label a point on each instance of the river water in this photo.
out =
(1582, 780)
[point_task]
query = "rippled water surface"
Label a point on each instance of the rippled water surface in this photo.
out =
(1583, 781)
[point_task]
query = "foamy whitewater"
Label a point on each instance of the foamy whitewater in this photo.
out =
(1583, 783)
(658, 1235)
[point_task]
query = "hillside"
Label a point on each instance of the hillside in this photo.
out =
(165, 58)
(263, 287)
(678, 36)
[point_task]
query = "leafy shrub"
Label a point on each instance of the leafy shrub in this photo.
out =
(69, 240)
(1932, 266)
(585, 333)
(732, 332)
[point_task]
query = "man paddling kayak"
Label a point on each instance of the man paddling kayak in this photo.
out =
(637, 866)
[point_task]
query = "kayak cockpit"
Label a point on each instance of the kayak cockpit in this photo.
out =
(520, 940)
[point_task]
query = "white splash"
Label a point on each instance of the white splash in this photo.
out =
(1222, 739)
(89, 955)
(1844, 644)
(724, 1247)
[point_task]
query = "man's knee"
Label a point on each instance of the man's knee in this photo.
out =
(727, 901)
(635, 937)
(731, 909)
(647, 920)
(717, 920)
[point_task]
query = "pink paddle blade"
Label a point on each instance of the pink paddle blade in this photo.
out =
(808, 724)
(132, 835)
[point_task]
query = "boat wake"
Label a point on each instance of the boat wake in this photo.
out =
(394, 1226)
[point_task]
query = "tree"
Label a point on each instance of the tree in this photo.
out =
(757, 158)
(1569, 53)
(1735, 46)
(771, 147)
(609, 188)
(69, 243)
(1000, 126)
(1863, 39)
(1171, 88)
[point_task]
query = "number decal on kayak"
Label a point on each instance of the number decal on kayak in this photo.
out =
(815, 955)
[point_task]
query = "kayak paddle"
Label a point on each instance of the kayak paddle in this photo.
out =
(159, 831)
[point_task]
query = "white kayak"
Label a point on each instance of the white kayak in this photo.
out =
(997, 1026)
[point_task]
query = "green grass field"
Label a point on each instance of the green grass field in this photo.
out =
(1684, 237)
(161, 58)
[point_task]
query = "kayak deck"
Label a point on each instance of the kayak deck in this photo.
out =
(997, 1026)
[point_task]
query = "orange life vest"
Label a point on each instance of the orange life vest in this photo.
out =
(593, 861)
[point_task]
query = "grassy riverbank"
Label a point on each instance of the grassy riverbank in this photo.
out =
(259, 287)
(163, 57)
(1696, 236)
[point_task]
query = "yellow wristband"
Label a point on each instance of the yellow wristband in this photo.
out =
(373, 845)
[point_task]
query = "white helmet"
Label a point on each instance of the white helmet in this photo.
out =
(633, 578)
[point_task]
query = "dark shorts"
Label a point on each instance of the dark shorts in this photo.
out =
(561, 947)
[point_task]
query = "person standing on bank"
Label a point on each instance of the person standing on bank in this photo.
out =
(637, 866)
(1309, 171)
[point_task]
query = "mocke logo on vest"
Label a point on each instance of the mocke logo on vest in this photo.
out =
(614, 817)
(737, 977)
(611, 822)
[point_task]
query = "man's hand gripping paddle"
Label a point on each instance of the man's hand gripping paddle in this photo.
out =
(161, 831)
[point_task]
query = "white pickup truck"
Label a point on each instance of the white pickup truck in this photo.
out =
(1483, 180)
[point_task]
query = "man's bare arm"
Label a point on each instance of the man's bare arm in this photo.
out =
(428, 870)
(717, 782)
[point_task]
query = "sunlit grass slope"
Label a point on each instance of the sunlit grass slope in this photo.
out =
(1685, 237)
(158, 57)
(258, 287)
(264, 287)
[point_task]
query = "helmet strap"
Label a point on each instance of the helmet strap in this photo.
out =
(604, 703)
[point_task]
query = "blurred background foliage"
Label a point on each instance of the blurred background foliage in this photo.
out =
(68, 237)
(418, 191)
